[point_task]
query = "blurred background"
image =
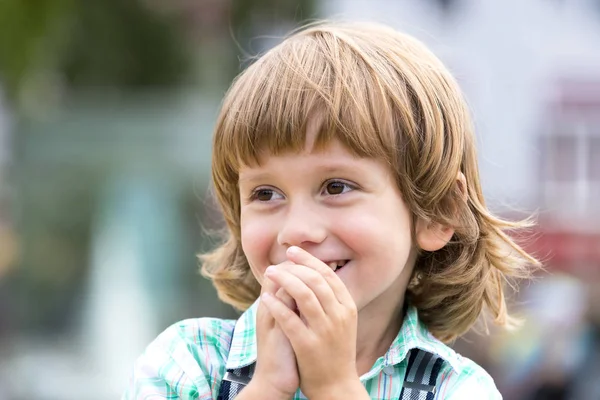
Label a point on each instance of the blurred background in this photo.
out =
(106, 114)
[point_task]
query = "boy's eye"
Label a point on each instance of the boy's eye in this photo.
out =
(337, 187)
(264, 194)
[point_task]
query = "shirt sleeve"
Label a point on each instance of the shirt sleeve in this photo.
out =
(470, 384)
(176, 365)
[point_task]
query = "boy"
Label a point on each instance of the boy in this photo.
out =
(358, 240)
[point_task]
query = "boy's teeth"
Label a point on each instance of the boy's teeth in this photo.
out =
(335, 265)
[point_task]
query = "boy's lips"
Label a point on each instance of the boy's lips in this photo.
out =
(335, 265)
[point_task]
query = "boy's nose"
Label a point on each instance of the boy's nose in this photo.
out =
(302, 225)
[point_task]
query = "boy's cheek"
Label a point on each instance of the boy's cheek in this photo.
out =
(257, 245)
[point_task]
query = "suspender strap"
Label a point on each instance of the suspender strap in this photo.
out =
(419, 383)
(234, 381)
(421, 375)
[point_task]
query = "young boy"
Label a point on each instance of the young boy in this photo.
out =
(358, 240)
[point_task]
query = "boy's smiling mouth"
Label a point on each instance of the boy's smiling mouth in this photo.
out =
(336, 265)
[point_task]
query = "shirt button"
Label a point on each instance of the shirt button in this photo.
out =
(389, 371)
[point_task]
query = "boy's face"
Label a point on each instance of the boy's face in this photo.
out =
(339, 208)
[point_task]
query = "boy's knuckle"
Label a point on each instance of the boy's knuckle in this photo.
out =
(313, 279)
(328, 273)
(285, 314)
(352, 311)
(305, 296)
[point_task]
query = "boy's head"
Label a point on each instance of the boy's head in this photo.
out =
(383, 99)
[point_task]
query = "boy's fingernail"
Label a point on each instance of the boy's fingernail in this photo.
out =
(270, 270)
(293, 250)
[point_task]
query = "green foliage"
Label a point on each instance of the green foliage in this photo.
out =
(27, 35)
(124, 44)
(120, 43)
(114, 43)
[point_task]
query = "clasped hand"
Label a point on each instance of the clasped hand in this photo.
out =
(306, 325)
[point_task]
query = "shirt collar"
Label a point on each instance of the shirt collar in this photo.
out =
(413, 334)
(243, 350)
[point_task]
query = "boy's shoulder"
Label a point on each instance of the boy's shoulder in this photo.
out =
(465, 368)
(204, 332)
(186, 360)
(459, 374)
(193, 342)
(212, 342)
(464, 378)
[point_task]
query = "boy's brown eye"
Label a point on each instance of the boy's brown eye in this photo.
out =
(335, 188)
(264, 194)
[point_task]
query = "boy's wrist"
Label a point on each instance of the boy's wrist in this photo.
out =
(257, 389)
(343, 390)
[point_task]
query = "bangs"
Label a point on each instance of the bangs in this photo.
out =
(311, 78)
(381, 93)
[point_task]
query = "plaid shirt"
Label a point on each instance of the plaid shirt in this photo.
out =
(189, 359)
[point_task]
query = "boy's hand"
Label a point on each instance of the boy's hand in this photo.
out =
(323, 336)
(276, 375)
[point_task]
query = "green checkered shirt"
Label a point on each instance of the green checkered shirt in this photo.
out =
(189, 359)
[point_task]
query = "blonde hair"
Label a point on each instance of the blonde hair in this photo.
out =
(384, 95)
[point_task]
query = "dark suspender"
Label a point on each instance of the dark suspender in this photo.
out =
(421, 376)
(234, 381)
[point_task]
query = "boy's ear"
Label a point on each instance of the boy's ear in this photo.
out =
(432, 236)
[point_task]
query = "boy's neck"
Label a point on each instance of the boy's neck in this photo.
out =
(377, 328)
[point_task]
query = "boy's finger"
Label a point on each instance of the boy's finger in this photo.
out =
(301, 256)
(264, 317)
(305, 298)
(289, 322)
(315, 282)
(269, 286)
(286, 299)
